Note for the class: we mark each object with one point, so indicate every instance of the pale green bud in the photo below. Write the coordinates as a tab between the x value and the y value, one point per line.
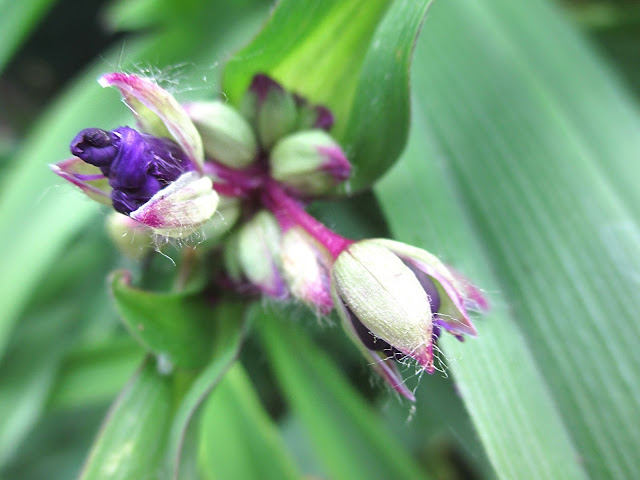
226	216
270	109
253	253
309	162
372	286
227	136
179	209
306	265
132	238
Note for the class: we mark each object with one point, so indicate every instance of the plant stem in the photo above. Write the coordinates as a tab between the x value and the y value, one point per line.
281	204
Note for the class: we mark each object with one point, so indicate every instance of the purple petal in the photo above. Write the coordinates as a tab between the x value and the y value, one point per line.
461	324
324	119
262	84
388	370
86	177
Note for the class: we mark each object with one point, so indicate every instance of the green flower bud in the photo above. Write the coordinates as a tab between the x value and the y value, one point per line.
374	288
179	209
306	265
227	136
226	216
253	254
270	109
132	238
309	162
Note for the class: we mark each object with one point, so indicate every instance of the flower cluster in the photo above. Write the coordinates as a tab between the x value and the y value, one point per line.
203	166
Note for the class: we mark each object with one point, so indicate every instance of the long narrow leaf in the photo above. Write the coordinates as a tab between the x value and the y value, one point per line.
237	438
347	435
527	135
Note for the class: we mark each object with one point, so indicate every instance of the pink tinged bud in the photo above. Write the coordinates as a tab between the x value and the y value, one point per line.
253	254
386	298
158	112
309	162
306	266
132	238
87	177
455	293
179	209
379	359
313	116
270	109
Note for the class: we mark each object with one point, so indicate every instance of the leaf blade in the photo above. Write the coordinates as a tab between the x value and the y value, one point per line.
346	434
237	438
542	186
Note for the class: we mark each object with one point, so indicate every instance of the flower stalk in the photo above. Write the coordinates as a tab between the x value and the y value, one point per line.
283	205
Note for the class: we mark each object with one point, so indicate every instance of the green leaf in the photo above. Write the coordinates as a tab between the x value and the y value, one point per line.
350	55
145	430
132	441
231	324
16	22
28	373
176	326
348	437
94	373
237	437
521	170
379	118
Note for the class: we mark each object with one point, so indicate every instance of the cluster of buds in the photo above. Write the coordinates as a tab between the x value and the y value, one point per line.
201	167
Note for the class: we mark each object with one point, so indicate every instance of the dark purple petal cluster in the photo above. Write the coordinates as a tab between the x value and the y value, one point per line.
137	165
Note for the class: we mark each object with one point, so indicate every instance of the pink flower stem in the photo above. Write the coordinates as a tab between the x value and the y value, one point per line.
233	182
282	205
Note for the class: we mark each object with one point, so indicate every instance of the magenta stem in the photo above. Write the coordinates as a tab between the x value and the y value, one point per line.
282	205
233	182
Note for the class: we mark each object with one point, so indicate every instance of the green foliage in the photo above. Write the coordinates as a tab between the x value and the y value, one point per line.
151	318
16	22
237	437
358	68
552	222
345	433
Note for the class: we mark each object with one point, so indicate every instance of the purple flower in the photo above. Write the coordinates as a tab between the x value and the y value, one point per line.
137	165
156	177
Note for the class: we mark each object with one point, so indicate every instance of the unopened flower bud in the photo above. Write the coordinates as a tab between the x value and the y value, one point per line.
223	220
227	136
132	238
309	162
306	266
374	287
394	298
253	253
453	291
177	210
270	109
313	116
